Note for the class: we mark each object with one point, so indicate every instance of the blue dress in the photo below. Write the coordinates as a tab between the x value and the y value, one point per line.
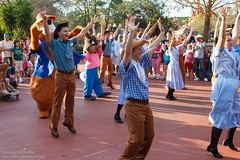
174	78
224	96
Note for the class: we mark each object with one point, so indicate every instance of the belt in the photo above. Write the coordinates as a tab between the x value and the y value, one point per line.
144	101
66	72
106	56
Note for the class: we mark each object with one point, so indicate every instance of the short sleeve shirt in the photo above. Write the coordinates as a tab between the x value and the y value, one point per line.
134	87
63	53
199	50
6	45
17	54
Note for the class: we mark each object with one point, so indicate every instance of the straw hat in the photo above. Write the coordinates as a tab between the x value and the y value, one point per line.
136	43
39	17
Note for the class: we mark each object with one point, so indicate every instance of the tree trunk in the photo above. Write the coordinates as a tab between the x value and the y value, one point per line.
206	30
208	15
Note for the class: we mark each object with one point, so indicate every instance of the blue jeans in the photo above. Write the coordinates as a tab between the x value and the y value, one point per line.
199	67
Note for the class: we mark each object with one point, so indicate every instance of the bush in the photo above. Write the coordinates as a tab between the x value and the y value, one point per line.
78	48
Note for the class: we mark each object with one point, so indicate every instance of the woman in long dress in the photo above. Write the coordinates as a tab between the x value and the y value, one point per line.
174	78
225	113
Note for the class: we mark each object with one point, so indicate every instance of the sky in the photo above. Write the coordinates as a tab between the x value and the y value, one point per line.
185	12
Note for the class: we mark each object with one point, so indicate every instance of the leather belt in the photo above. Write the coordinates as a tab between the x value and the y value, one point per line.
143	101
106	56
66	72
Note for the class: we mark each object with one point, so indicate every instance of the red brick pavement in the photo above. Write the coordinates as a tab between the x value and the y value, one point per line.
181	127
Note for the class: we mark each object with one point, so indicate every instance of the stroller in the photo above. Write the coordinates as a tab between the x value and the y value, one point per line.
11	77
6	90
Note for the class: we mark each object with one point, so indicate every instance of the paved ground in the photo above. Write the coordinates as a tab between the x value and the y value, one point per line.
182	129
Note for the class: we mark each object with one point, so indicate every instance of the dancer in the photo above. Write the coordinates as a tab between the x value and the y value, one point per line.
92	81
174	78
135	85
225	113
65	85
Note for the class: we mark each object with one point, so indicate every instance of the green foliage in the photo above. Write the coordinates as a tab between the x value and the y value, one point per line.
113	11
78	48
198	21
15	18
8	21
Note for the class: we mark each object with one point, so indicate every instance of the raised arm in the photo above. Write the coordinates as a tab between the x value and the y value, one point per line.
188	38
145	31
125	32
216	32
43	13
116	31
102	29
157	41
94	33
236	29
109	27
81	35
222	33
152	29
128	48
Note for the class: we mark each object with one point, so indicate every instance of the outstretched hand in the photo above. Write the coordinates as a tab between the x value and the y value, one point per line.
95	19
130	23
224	11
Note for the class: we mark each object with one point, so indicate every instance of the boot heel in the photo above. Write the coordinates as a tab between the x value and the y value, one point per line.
214	152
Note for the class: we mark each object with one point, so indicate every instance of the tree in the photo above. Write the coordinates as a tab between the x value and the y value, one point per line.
112	11
208	7
16	17
197	22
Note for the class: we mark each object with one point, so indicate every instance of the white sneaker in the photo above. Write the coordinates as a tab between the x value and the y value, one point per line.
158	76
205	79
154	77
196	79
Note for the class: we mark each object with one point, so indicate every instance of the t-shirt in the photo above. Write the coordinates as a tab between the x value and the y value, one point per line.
93	60
6	45
199	50
189	56
17	54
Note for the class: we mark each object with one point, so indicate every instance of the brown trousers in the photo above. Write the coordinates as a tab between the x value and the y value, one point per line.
106	63
141	129
65	87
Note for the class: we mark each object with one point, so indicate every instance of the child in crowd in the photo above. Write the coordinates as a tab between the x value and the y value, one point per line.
156	60
166	61
31	64
189	61
25	67
92	81
17	52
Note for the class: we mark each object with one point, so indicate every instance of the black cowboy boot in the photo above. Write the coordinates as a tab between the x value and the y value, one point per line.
117	114
215	135
229	140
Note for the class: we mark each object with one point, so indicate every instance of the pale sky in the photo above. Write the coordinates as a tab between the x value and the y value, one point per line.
185	12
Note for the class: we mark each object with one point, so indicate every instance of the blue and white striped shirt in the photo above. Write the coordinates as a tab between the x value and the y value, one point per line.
133	86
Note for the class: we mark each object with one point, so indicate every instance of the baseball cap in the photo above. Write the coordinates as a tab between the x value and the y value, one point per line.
6	34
